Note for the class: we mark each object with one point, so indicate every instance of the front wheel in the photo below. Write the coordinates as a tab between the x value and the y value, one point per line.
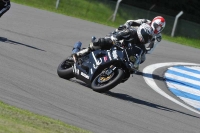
104	82
65	70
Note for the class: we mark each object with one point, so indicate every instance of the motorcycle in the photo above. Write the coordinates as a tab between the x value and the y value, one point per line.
102	70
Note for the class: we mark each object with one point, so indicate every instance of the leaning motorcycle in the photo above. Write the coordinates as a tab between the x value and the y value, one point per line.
102	70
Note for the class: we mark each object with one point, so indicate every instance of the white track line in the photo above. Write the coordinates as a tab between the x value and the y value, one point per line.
148	71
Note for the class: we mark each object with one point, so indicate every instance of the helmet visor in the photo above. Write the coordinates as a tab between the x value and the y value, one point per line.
157	28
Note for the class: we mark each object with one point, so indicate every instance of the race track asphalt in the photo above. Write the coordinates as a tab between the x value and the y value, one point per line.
32	44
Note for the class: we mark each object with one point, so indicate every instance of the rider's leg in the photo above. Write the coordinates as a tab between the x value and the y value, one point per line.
139	60
143	58
85	51
140	57
101	43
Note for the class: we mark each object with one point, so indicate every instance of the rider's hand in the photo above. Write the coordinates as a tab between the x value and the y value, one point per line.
159	38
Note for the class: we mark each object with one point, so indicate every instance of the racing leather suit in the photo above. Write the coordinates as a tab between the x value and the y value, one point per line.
138	32
133	35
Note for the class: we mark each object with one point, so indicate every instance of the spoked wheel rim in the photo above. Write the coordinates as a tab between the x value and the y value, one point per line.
103	78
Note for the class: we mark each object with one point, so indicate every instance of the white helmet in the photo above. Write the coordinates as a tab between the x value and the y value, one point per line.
158	24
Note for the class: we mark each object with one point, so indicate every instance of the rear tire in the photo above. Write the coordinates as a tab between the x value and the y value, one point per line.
111	83
65	70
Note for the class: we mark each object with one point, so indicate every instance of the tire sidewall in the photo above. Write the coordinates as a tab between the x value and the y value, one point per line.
65	73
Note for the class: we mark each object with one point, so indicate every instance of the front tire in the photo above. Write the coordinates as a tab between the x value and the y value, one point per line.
65	70
110	83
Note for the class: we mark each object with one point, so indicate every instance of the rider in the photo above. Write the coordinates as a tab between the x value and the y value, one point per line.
156	37
139	32
4	6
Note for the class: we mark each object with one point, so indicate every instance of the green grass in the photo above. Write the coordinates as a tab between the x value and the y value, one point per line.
184	41
14	120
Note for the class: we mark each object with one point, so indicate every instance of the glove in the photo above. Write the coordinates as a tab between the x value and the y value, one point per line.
159	38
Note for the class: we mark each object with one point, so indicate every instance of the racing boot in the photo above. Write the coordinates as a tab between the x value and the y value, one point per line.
137	62
92	46
81	53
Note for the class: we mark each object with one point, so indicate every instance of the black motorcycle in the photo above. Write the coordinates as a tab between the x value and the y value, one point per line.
102	70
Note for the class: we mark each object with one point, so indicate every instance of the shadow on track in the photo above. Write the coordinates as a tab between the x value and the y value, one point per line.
129	98
80	83
2	39
157	77
138	101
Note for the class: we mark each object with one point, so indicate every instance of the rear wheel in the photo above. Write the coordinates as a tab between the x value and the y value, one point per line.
107	80
65	70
